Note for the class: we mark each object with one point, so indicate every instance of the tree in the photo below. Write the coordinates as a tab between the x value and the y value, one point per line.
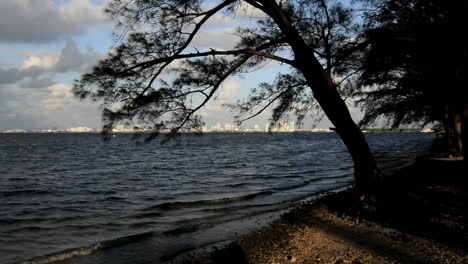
415	70
316	40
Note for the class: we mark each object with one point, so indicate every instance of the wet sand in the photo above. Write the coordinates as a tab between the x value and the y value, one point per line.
421	217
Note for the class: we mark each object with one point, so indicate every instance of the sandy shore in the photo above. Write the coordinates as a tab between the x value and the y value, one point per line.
422	217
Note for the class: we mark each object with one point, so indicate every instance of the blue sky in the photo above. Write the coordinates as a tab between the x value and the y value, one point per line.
46	44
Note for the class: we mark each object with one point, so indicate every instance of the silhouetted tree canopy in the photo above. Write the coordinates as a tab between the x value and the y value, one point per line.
157	76
413	72
131	82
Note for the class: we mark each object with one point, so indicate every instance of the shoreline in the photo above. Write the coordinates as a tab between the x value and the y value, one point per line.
423	219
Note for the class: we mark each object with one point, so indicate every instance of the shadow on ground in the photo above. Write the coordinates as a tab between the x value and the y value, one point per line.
421	217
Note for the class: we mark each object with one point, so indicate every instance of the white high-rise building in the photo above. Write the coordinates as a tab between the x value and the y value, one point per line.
292	126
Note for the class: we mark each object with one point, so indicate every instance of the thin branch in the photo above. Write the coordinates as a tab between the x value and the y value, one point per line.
215	88
263	108
347	77
356	47
170	59
270	102
207	16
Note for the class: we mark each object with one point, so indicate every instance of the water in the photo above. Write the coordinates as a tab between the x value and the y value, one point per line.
66	195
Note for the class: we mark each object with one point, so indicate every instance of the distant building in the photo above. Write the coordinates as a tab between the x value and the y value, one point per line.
79	129
292	126
321	130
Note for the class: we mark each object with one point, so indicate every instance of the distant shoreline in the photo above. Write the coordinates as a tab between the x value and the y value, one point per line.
375	130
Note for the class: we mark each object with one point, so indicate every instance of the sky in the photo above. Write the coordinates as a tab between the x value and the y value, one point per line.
46	44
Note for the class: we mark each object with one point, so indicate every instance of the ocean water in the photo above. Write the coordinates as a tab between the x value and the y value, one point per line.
73	198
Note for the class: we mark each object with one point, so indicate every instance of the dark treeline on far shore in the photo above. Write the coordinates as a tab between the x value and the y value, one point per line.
382	130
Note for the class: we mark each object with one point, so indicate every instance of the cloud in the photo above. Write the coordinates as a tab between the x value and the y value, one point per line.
58	96
37	83
31	98
40	63
44	60
215	111
222	38
71	59
13	75
45	108
42	21
231	89
245	10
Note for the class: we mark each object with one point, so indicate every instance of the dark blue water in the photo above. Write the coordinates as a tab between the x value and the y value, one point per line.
66	195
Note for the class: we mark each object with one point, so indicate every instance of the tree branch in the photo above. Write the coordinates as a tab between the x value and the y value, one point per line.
170	59
207	16
264	107
215	88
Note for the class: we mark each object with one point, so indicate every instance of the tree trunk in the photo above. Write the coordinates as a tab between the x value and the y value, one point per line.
465	134
365	168
446	122
326	93
457	129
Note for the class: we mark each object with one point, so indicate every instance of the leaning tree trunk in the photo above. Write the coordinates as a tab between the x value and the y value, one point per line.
326	94
448	128
465	134
325	91
457	129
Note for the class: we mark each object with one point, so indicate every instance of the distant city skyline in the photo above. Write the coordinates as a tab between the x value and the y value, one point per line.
280	126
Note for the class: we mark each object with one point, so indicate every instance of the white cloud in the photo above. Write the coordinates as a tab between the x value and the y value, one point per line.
31	98
245	10
231	89
214	111
45	61
59	95
69	59
40	21
37	83
45	108
222	38
13	75
218	19
39	66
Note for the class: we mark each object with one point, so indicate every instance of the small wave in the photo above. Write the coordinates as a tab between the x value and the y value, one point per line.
18	179
182	204
113	198
181	230
236	208
145	215
87	250
187	204
295	186
237	185
23	192
29	229
64	255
